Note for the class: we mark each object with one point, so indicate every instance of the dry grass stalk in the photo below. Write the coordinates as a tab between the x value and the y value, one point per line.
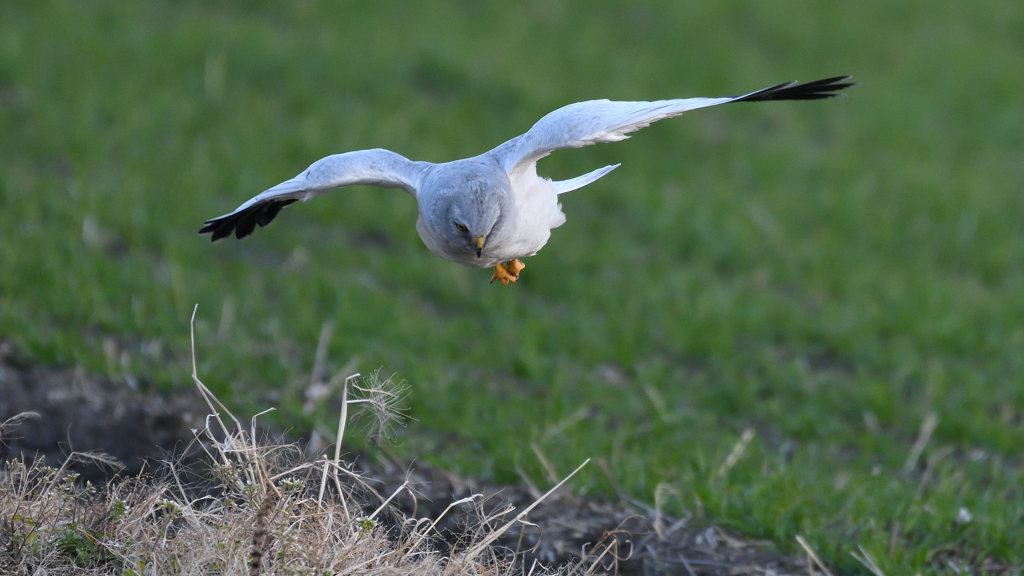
868	562
812	556
257	507
13	422
736	452
548	468
661	492
479	547
928	425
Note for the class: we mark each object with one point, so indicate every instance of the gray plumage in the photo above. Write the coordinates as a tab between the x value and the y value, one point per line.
491	208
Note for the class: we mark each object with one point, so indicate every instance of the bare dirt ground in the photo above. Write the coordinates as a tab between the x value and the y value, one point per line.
82	412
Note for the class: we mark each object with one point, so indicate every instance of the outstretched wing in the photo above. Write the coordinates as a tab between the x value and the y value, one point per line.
595	121
376	167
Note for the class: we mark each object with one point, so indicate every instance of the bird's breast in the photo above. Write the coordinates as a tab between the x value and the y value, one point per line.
525	227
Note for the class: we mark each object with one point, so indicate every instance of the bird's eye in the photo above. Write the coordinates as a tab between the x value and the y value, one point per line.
460	227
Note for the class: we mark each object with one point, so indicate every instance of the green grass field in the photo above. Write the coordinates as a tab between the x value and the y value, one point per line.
826	274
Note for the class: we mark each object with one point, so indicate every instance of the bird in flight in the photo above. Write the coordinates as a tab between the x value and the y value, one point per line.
491	210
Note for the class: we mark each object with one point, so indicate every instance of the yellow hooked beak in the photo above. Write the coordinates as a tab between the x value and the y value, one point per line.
479	246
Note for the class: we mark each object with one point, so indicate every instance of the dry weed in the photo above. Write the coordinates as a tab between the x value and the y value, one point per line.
254	506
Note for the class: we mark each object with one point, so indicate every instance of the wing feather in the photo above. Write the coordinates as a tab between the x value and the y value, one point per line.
376	167
595	121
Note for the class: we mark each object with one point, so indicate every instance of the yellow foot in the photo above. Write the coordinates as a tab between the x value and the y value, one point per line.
515	267
507	274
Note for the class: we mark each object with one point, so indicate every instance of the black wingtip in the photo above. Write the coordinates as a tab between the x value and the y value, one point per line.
243	222
816	90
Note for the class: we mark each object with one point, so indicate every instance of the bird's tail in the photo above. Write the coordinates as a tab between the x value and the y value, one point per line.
564	186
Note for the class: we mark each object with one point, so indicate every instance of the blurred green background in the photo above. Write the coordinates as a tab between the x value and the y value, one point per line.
825	274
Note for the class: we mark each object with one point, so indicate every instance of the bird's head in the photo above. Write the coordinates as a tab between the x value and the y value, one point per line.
471	208
473	216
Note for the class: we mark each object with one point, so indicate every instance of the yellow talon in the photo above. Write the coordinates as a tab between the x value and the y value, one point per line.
501	275
515	267
509	274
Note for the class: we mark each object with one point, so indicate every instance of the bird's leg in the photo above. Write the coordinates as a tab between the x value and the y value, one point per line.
506	273
501	275
514	267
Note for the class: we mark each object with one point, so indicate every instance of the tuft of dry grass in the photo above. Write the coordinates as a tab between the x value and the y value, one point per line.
257	512
254	506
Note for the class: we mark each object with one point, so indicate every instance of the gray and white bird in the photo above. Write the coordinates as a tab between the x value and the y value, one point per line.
493	209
